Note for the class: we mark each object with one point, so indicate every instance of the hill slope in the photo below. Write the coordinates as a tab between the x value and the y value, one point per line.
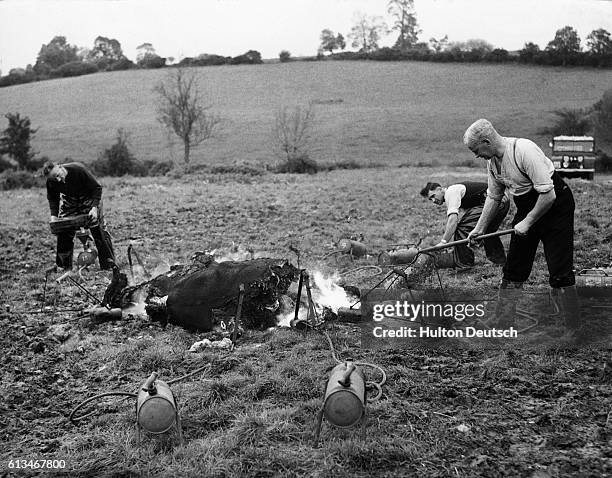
389	113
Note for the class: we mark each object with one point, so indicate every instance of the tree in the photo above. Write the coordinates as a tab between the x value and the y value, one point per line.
292	136
55	54
340	43
599	42
529	53
106	49
251	57
366	32
147	57
15	140
331	42
565	44
405	23
118	160
439	45
602	119
574	122
146	49
478	44
182	111
284	56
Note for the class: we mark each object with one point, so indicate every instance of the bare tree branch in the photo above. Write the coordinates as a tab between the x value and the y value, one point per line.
180	108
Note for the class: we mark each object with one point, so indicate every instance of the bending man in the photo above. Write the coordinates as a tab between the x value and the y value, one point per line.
72	190
464	203
545	213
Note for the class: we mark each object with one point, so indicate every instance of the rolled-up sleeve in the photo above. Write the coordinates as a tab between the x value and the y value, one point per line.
452	198
535	164
495	189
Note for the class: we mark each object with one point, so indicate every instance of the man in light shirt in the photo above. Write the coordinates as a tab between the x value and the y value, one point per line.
545	213
464	202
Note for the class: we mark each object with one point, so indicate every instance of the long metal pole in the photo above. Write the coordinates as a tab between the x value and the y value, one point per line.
465	241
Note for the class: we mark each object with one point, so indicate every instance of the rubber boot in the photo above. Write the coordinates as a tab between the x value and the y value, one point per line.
569	307
507	298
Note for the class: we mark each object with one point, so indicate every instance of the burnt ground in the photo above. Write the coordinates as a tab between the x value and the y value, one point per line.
444	412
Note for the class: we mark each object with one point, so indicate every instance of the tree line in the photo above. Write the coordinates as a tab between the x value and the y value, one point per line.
60	59
563	50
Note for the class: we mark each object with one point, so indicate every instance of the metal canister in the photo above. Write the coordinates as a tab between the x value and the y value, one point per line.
355	248
102	314
400	256
156	407
344	404
599	277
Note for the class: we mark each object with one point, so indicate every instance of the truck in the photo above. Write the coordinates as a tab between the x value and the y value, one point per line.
574	156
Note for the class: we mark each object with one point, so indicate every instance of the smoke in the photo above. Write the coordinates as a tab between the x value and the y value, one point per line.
235	253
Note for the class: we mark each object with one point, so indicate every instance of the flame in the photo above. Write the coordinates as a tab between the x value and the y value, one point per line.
137	308
326	293
330	294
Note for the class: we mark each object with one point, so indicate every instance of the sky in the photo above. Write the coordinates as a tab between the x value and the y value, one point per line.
181	28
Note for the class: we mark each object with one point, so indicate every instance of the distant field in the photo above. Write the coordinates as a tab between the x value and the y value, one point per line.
372	112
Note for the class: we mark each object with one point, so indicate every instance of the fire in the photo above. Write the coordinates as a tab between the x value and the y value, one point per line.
137	308
330	294
326	293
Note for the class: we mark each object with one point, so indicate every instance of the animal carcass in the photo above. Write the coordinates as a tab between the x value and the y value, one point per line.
194	295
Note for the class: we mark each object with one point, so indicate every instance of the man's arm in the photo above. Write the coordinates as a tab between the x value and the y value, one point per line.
451	227
539	169
495	193
541	207
53	196
488	213
452	197
90	184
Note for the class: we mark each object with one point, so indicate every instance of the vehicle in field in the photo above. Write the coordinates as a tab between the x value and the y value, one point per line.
574	156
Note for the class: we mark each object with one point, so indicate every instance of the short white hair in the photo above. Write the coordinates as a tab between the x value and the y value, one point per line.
478	131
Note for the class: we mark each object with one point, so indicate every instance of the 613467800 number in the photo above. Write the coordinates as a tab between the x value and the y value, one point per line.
37	464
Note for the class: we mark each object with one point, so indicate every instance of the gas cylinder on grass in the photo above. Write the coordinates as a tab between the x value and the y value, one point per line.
354	248
345	395
156	410
400	256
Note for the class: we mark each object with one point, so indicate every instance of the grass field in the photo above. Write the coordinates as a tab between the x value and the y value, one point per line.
443	412
371	112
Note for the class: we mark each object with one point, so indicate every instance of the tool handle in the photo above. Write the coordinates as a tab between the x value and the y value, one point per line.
465	241
345	381
63	276
148	385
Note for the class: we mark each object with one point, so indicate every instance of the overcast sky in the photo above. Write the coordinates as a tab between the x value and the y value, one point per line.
180	28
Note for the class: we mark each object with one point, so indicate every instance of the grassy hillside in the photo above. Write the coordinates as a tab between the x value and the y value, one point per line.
372	112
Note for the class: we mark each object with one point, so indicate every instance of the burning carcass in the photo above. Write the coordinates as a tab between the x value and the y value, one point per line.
196	295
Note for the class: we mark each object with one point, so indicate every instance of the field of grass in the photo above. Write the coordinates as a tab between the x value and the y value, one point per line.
442	413
370	112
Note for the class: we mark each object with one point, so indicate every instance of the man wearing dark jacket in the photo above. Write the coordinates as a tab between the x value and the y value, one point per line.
464	202
72	190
